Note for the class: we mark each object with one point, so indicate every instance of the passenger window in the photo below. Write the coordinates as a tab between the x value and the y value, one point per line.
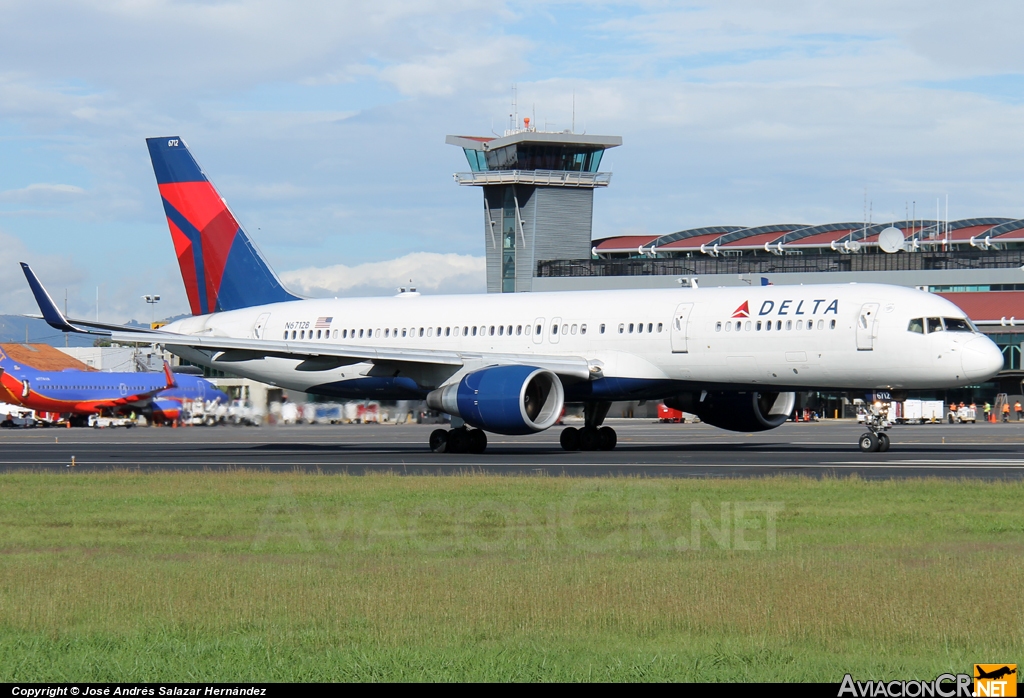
387	332
447	331
934	324
421	332
335	334
491	331
758	326
430	331
438	331
821	324
519	329
377	333
583	329
501	330
799	324
286	334
405	332
789	324
832	325
510	330
554	329
640	327
746	326
718	327
650	327
465	331
565	329
768	326
631	328
916	325
474	330
539	329
527	328
302	334
360	334
728	327
621	328
955	324
318	335
778	324
455	332
602	328
661	326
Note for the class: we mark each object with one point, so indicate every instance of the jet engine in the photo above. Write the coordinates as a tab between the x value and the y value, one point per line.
746	411
509	400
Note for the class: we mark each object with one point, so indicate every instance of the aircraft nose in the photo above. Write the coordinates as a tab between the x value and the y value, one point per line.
981	359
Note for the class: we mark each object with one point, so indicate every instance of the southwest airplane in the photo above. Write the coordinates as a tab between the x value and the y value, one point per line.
508	363
159	396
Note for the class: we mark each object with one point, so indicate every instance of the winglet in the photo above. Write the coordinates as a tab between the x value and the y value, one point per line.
169	375
54	318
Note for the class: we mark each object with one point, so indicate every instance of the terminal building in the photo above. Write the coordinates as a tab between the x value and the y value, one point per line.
538	215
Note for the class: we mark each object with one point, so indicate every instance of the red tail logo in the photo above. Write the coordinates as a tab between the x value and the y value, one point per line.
742	311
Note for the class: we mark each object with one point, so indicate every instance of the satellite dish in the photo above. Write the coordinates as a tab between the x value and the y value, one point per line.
891	240
852	246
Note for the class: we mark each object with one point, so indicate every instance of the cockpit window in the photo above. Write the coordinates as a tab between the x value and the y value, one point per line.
916	325
955	324
934	324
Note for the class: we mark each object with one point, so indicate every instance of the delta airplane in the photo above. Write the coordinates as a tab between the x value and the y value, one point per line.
507	363
159	396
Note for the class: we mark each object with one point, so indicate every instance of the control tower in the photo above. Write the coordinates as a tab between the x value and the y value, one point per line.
538	198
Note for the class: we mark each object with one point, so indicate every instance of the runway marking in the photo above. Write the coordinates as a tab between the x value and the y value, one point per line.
192	465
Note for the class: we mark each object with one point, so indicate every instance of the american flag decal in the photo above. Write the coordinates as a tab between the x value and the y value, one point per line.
323	323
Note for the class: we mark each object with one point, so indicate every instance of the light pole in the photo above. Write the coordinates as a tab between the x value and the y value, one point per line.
152	300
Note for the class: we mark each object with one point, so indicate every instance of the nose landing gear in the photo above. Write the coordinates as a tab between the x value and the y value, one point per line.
593	436
875	439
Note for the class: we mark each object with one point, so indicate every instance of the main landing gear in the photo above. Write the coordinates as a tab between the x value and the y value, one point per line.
593	436
458	440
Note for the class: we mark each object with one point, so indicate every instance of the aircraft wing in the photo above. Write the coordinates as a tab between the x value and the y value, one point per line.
321	356
317	356
139	399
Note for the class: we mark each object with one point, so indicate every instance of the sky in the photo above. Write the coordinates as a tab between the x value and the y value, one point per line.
323	126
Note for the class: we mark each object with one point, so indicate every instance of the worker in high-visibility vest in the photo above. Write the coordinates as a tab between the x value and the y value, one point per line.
1018	409
1006	412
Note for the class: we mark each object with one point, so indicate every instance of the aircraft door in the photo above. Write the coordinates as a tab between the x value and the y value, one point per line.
555	329
679	323
25	388
261	322
867	326
538	330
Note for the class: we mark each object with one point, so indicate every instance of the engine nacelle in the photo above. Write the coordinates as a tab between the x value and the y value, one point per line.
509	400
747	411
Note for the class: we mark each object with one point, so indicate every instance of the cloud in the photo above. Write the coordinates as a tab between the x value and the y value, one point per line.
428	271
487	66
41	191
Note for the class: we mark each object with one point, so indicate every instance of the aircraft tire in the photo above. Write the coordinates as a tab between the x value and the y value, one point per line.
439	441
589	439
868	442
458	441
606	438
883	442
477	441
570	439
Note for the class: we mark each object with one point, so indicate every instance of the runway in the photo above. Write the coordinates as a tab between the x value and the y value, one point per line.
987	451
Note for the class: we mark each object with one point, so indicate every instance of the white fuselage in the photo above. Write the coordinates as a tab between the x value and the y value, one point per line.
821	336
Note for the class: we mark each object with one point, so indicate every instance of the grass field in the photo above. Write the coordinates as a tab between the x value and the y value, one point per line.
257	576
